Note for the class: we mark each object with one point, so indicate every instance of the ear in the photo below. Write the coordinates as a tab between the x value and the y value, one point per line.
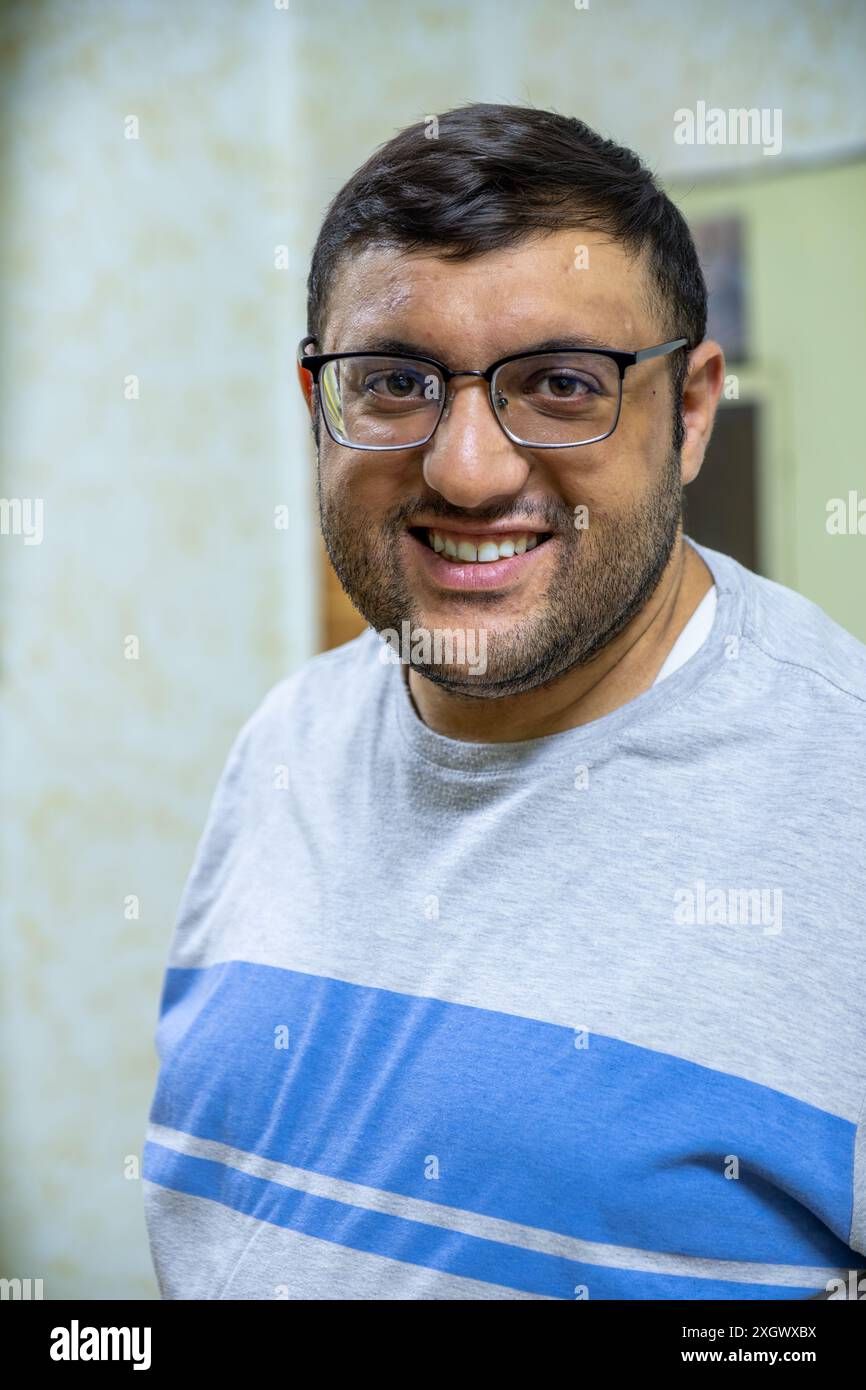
701	392
306	382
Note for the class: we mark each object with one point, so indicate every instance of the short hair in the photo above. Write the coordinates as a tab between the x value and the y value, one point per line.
493	175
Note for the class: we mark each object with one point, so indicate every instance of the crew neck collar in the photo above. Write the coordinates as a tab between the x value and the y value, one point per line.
504	758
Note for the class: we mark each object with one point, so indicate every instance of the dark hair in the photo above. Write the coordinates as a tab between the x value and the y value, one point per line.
494	175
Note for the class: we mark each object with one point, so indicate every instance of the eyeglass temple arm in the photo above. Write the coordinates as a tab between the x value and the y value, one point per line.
660	351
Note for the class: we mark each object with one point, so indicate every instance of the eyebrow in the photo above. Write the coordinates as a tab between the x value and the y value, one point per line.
564	342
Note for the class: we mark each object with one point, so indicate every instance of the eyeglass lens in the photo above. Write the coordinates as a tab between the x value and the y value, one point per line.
559	398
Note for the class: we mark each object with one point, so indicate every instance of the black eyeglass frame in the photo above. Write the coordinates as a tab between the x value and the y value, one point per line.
314	362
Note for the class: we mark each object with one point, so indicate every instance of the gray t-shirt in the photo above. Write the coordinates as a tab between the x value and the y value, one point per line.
581	1016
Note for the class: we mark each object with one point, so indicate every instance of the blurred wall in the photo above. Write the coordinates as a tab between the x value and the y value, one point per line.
147	396
807	310
148	399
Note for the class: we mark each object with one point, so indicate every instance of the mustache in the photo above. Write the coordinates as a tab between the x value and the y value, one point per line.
550	515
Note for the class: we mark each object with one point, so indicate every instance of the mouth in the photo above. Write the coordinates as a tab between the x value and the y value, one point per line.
484	549
482	560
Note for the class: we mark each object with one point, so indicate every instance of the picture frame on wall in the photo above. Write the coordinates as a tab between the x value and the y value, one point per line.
720	245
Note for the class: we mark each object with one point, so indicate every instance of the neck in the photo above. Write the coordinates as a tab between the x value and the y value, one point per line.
623	669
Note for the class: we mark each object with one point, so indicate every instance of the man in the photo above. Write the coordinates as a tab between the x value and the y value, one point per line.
522	955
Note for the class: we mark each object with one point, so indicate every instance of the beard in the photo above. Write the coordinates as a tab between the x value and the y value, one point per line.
607	573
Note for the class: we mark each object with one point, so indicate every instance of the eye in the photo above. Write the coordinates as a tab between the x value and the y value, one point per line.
561	385
398	383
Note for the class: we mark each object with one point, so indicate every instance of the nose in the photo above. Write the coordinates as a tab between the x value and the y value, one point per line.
470	460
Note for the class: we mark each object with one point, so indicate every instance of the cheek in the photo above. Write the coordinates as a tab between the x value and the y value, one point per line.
343	470
614	482
603	481
642	440
647	417
360	484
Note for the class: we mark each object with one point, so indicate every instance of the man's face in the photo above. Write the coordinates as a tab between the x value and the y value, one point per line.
558	603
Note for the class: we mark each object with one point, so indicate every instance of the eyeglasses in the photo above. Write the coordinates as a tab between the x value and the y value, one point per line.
543	400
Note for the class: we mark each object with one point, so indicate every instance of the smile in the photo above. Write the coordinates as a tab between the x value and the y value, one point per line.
480	561
481	550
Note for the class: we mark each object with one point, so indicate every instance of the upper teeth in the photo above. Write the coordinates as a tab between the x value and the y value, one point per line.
482	551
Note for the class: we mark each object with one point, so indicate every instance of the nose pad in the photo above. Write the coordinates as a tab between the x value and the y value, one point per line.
501	400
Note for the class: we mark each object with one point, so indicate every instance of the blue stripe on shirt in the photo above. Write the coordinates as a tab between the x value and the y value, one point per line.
614	1143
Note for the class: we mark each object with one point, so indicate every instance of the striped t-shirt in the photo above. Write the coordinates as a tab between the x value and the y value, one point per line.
577	1017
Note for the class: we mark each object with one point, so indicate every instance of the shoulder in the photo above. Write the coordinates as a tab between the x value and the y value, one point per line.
325	692
796	636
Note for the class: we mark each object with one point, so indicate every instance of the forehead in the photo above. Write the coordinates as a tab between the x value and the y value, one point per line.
567	282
